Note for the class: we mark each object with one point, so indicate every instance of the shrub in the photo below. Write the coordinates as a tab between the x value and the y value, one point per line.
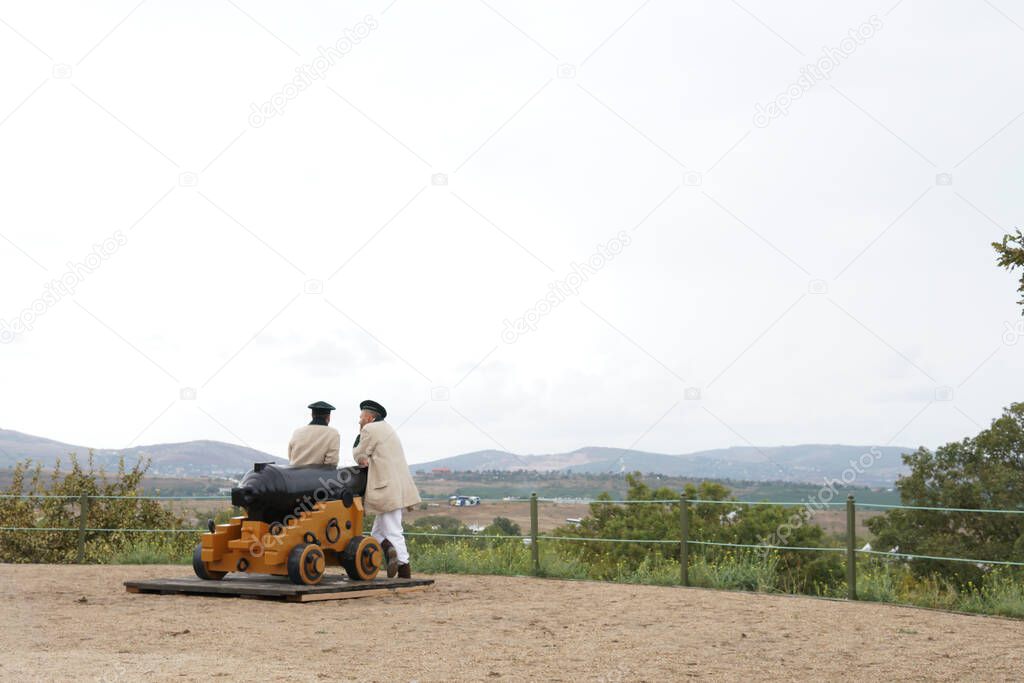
120	509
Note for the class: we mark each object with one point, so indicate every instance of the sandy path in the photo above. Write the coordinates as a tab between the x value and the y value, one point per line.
479	628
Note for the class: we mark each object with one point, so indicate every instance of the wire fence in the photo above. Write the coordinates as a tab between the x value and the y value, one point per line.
534	536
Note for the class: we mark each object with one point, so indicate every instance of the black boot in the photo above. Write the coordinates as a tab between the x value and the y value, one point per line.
404	571
390	558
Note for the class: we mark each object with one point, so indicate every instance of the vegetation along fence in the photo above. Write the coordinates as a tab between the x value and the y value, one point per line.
534	538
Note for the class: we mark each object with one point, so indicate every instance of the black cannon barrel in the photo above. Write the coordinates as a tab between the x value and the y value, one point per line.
273	493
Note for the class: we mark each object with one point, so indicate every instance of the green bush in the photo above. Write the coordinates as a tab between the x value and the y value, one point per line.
437	524
63	510
502	526
721	521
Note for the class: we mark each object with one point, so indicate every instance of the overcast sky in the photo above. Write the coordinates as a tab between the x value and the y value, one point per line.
525	226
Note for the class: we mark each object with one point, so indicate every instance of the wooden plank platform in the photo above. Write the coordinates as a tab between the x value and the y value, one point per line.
332	587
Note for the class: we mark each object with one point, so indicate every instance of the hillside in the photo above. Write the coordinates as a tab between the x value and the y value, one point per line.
801	463
190	458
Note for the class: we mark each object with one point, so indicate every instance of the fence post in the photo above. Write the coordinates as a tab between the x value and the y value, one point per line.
851	548
534	550
83	524
684	538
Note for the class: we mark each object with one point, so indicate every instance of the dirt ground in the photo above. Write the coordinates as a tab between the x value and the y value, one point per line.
71	622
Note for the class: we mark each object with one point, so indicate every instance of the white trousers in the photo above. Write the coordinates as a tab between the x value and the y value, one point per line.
389	525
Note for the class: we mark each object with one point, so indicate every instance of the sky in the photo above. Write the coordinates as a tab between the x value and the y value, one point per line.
527	226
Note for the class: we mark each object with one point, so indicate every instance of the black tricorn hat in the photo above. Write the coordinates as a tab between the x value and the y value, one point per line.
374	406
321	407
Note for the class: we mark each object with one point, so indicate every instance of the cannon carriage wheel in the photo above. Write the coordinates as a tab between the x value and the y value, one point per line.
306	564
199	567
362	558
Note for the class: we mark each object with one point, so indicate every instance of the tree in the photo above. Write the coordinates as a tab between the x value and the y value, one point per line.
442	524
1011	256
502	526
723	521
981	472
438	524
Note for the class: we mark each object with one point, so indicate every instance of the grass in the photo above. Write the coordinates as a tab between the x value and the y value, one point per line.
1000	594
732	571
152	551
749	571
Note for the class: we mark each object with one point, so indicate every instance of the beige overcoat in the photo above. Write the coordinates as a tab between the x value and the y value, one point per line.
389	483
314	445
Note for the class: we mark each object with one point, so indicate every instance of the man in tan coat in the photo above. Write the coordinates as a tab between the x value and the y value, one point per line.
315	443
389	485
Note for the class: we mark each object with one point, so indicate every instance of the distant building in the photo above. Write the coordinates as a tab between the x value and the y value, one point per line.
441	470
463	501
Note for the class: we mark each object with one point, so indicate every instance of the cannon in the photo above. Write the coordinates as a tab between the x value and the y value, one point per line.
297	522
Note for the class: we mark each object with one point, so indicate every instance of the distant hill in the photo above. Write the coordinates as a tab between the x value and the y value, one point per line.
191	458
802	463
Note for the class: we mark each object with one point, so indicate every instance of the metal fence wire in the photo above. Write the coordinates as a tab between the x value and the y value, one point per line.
683	541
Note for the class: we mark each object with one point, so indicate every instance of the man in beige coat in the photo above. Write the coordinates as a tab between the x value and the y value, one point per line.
315	443
389	486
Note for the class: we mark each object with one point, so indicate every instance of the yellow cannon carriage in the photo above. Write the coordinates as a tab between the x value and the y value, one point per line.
298	522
